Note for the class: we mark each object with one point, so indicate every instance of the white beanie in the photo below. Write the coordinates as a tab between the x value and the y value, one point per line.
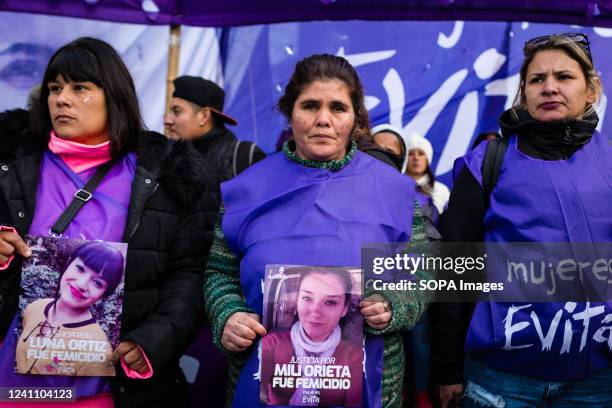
416	141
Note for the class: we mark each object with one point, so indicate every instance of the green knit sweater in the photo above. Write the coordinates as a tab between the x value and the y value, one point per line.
223	297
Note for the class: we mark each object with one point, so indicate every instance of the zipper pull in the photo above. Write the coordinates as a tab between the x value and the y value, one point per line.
568	139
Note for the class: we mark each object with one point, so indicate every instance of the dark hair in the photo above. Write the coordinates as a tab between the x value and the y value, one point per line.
285	135
326	67
401	141
92	60
102	258
573	50
432	177
484	136
340	273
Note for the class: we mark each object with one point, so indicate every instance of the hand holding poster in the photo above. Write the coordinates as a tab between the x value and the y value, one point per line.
70	307
313	352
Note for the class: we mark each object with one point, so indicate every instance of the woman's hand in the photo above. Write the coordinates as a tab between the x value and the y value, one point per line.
376	311
132	355
11	244
240	331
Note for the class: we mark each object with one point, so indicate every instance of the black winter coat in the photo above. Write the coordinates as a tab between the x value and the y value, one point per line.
167	246
217	149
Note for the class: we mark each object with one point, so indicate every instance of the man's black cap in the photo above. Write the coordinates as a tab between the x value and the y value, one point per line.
203	93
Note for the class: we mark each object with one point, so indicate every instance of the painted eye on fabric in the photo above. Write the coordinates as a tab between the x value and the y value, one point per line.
24	64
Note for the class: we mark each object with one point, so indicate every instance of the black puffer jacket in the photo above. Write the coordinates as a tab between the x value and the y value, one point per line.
217	148
167	246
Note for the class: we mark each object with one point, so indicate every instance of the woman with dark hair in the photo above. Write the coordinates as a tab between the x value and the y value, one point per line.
322	301
87	124
90	60
392	141
432	194
319	201
554	186
93	272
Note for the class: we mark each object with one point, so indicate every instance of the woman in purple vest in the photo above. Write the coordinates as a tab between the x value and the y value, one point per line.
555	185
86	116
314	203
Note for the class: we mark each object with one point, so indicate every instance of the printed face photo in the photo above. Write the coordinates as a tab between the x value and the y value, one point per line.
81	286
312	353
70	307
321	304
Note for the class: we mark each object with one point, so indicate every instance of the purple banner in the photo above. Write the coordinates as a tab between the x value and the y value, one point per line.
226	13
444	80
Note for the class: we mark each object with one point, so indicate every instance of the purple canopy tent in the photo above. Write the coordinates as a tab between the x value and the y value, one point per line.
226	13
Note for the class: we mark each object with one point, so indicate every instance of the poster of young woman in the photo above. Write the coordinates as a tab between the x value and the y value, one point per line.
71	302
313	352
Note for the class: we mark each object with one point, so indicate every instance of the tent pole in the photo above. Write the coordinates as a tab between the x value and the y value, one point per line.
174	48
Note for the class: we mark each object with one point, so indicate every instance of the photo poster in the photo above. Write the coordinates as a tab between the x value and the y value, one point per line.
70	307
312	354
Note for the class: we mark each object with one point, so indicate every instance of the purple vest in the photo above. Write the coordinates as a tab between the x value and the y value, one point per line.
280	212
426	201
103	217
546	201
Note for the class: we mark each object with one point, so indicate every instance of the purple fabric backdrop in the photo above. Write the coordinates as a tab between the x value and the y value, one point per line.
224	13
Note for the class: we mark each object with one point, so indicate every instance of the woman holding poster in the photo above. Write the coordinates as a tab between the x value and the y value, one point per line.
86	124
315	340
94	271
314	203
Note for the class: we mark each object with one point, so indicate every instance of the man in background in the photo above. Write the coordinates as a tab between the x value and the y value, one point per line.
196	114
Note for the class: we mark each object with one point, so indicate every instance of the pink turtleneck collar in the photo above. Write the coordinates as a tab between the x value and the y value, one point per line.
79	157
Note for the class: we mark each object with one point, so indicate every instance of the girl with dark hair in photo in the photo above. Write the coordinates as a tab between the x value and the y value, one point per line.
93	272
323	299
86	119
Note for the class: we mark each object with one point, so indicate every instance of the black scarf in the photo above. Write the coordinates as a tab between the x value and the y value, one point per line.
555	140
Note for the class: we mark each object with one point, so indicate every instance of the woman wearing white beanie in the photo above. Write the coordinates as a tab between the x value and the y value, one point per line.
420	155
432	197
